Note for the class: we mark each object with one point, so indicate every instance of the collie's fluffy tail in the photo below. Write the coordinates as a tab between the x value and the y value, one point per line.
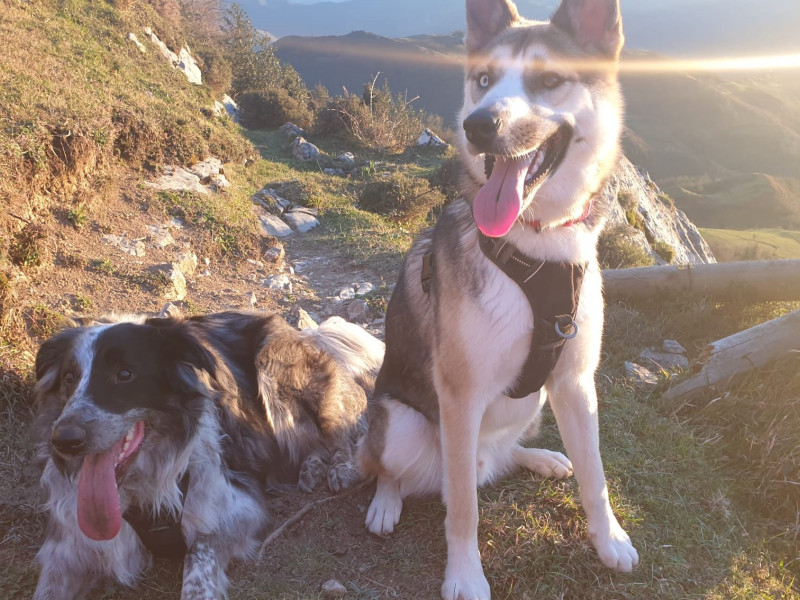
360	353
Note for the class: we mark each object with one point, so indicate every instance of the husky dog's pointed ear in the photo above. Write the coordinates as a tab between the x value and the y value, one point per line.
595	24
487	18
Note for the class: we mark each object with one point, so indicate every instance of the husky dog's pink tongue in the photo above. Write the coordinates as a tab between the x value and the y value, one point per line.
497	204
99	510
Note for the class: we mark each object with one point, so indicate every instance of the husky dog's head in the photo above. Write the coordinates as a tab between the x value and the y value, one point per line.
542	111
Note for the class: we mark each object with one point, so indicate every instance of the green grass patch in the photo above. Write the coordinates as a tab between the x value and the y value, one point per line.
752	244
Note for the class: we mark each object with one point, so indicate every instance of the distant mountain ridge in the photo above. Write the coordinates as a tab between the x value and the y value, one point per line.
683	128
678	28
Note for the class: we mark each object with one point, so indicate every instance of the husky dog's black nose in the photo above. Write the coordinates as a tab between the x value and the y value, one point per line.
69	439
481	128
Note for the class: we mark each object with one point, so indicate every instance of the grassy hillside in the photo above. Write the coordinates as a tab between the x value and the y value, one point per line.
752	244
743	202
706	489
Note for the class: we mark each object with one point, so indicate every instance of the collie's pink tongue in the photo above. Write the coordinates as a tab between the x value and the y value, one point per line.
99	512
498	203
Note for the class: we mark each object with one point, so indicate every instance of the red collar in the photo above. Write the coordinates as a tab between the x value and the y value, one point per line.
537	225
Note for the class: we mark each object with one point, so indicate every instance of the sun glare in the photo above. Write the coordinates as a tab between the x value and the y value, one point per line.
739	63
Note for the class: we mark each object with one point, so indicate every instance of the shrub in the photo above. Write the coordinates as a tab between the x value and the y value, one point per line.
377	119
616	250
446	177
664	250
273	108
402	198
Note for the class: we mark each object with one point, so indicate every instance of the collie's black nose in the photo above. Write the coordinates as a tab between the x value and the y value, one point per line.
482	127
69	439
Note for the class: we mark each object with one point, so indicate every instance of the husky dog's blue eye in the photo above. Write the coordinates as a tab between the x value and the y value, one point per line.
483	80
124	375
551	80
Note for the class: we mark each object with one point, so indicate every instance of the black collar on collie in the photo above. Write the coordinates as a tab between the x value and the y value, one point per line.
552	289
162	535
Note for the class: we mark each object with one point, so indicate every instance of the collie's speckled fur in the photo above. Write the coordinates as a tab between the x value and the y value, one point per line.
133	410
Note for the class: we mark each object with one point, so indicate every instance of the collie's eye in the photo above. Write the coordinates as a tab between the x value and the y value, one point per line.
124	375
68	377
483	80
552	80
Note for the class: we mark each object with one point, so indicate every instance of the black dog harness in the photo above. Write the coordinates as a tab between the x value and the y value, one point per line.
161	535
552	289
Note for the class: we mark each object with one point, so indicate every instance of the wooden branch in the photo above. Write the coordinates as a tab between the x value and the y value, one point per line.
753	281
278	531
749	349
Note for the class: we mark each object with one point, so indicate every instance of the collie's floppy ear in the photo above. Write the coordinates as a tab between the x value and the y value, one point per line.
595	24
487	18
53	350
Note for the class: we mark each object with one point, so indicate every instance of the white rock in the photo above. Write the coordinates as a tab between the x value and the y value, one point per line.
178	179
160	236
189	66
177	290
132	37
663	360
291	130
673	347
428	138
278	282
304	150
333	589
186	261
273	225
347	158
231	108
301	220
207	168
134	247
363	288
305	320
250	299
640	375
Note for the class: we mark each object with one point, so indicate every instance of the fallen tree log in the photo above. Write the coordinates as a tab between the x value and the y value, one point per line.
739	353
752	281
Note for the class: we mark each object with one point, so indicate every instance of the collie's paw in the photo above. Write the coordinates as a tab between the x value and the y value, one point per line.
384	510
615	549
312	473
342	476
471	585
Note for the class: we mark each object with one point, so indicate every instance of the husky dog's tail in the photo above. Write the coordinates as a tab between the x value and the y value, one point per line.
360	353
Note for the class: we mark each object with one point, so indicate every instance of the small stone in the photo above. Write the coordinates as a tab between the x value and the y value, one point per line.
304	150
256	263
362	288
347	158
170	311
343	294
357	311
274	254
305	320
186	262
673	347
278	282
160	236
640	375
291	130
664	360
250	299
333	589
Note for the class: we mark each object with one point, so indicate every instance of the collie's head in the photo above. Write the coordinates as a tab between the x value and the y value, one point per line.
112	398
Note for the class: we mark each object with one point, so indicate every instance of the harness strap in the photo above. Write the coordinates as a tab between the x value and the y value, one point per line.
553	290
161	535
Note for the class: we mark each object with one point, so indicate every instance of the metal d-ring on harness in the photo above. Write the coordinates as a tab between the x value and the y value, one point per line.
552	289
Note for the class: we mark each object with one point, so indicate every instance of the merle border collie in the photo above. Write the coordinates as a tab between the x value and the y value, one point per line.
160	436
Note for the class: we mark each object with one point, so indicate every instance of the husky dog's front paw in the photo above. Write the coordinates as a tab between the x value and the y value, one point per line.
614	548
465	584
384	510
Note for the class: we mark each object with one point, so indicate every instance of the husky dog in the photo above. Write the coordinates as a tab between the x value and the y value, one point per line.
499	307
160	436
